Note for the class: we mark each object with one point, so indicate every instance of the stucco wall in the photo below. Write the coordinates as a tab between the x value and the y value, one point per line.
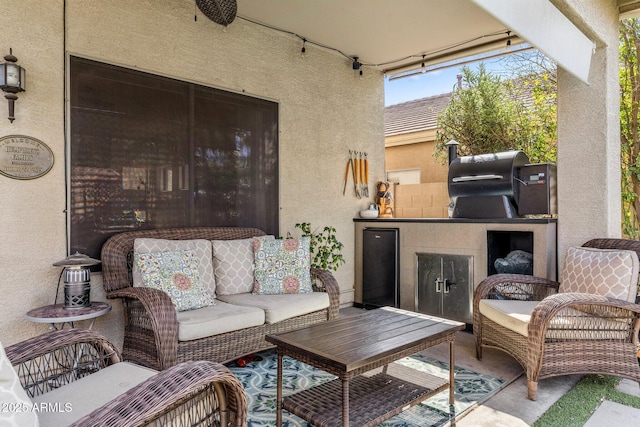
589	132
324	110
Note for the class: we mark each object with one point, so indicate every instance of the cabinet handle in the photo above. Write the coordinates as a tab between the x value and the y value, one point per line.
438	285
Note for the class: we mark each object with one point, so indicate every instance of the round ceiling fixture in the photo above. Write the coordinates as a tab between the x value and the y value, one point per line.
221	12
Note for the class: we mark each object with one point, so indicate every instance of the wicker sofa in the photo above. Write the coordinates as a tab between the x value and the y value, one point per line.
152	327
76	377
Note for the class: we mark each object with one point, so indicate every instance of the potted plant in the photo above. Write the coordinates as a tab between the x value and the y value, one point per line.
325	248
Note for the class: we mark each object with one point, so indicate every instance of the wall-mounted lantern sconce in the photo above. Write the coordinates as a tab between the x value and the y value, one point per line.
12	81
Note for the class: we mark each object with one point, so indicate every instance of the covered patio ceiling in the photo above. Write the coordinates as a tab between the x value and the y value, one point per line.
385	35
393	36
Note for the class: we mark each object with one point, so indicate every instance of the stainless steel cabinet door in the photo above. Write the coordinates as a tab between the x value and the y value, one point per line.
445	286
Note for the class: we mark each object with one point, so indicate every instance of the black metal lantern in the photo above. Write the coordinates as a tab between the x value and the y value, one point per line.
12	80
77	280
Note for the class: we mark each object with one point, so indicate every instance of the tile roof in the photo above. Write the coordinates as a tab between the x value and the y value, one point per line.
414	116
422	114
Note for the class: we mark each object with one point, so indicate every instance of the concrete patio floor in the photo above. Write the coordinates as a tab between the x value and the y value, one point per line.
510	406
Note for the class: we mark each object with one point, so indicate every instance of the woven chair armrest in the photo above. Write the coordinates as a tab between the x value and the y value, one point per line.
162	315
172	389
326	282
547	318
515	286
60	357
49	342
591	304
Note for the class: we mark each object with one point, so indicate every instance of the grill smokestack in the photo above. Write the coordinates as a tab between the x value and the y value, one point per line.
453	150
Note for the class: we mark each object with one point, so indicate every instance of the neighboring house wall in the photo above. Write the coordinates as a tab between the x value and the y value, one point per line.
324	110
410	140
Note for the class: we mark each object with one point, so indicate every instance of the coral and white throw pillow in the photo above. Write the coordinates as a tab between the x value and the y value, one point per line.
175	273
201	247
282	266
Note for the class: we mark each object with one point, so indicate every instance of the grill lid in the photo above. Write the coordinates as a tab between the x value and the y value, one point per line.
486	175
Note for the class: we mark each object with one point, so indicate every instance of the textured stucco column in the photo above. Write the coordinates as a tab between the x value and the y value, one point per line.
589	133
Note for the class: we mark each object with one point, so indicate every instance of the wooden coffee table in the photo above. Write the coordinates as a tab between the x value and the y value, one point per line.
351	347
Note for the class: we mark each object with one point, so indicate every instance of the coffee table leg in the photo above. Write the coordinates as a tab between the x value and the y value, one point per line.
452	401
345	403
279	393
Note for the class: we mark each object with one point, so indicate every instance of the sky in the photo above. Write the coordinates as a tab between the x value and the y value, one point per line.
430	84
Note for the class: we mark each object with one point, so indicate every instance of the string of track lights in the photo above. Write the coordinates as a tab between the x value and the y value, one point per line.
357	65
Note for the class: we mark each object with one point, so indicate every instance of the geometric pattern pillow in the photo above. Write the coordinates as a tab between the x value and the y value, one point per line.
233	266
175	273
282	266
233	263
201	247
606	272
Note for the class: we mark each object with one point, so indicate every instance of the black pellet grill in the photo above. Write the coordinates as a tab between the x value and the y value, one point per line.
501	185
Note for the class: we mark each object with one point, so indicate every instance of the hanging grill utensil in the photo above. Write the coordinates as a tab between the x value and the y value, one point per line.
361	169
346	174
354	169
366	176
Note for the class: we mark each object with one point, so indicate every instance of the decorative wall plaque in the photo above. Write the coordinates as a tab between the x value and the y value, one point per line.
24	157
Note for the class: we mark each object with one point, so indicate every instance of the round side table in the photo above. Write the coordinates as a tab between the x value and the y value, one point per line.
57	316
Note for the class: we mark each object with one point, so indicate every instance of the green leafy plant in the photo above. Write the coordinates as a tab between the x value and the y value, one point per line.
487	114
326	249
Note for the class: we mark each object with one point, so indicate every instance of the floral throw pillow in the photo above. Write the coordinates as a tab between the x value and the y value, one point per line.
175	273
282	266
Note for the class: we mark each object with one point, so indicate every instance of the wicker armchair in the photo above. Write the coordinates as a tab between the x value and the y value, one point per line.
192	393
566	333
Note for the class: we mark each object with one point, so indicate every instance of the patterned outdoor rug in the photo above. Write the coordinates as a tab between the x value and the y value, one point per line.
259	381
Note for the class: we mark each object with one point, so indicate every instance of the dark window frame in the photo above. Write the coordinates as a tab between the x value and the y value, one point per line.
148	151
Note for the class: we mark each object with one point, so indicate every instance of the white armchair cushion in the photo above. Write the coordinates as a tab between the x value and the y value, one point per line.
81	397
607	272
568	324
511	314
18	408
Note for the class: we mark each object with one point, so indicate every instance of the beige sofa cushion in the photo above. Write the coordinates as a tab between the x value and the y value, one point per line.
608	272
217	319
83	396
281	307
18	408
201	247
569	324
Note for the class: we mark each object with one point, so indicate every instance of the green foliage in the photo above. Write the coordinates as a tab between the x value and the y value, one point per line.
326	250
576	406
629	118
488	115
